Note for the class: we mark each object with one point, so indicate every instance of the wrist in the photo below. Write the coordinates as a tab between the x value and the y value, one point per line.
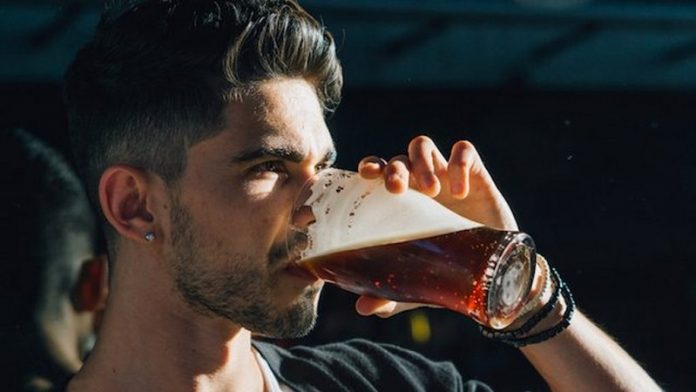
539	299
549	308
554	318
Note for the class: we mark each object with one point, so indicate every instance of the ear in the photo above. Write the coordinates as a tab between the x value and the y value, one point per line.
91	289
123	196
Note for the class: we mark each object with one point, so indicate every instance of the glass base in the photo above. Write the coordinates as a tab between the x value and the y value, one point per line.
512	280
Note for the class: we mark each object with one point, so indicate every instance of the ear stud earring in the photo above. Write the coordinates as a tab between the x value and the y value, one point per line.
150	236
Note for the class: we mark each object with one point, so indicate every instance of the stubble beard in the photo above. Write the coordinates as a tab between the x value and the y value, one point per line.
241	292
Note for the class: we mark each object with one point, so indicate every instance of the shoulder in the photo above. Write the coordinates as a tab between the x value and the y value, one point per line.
360	364
375	359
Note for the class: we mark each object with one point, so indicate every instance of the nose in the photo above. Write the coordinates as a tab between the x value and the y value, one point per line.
302	217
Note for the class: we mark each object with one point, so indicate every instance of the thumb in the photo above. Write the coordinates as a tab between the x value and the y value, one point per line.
367	306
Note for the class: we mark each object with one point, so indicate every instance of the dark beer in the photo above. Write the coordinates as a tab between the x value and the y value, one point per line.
481	272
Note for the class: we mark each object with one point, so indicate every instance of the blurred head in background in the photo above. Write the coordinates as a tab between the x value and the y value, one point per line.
52	283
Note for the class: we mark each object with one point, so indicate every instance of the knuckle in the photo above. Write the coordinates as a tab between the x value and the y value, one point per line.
463	146
393	168
463	152
399	160
420	142
422	139
459	160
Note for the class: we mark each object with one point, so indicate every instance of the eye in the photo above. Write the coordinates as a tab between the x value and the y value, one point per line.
267	167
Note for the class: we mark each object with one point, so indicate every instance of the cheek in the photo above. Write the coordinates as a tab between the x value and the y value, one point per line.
258	191
268	219
253	214
263	221
268	199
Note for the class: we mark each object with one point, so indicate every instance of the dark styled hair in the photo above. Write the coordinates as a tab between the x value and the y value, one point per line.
157	76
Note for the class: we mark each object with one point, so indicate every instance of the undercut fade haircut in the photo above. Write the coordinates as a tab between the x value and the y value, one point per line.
157	76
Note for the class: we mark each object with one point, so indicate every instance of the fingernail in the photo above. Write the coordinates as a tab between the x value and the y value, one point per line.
457	188
384	310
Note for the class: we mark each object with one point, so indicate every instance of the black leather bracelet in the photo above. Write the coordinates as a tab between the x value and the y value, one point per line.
553	331
533	321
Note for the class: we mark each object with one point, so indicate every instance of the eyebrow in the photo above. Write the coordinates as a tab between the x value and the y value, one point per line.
288	153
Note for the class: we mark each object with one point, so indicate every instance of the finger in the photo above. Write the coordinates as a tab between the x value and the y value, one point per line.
367	306
462	158
396	174
440	165
420	154
371	167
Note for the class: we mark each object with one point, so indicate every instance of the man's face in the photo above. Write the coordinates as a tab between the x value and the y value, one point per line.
230	214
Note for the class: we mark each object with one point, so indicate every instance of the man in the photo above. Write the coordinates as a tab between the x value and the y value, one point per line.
52	281
196	124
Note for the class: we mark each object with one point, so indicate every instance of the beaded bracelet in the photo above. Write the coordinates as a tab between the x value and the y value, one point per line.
516	337
556	329
534	320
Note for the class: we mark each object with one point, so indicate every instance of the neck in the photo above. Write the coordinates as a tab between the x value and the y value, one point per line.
151	340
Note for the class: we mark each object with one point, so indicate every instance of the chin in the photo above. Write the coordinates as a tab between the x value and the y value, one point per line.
298	318
296	289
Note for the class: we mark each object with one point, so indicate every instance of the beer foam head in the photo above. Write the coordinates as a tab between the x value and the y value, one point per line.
351	212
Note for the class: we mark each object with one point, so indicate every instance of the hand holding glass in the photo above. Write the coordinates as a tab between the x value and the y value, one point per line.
406	247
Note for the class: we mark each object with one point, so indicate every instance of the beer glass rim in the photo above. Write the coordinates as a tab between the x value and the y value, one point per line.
298	202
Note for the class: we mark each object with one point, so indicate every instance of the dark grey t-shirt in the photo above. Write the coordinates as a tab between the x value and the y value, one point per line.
361	365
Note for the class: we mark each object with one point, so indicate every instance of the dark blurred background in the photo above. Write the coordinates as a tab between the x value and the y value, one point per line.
584	112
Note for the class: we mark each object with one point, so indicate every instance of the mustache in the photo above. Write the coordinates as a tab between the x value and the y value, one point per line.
297	242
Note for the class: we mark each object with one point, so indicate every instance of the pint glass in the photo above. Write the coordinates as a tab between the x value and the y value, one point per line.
406	247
